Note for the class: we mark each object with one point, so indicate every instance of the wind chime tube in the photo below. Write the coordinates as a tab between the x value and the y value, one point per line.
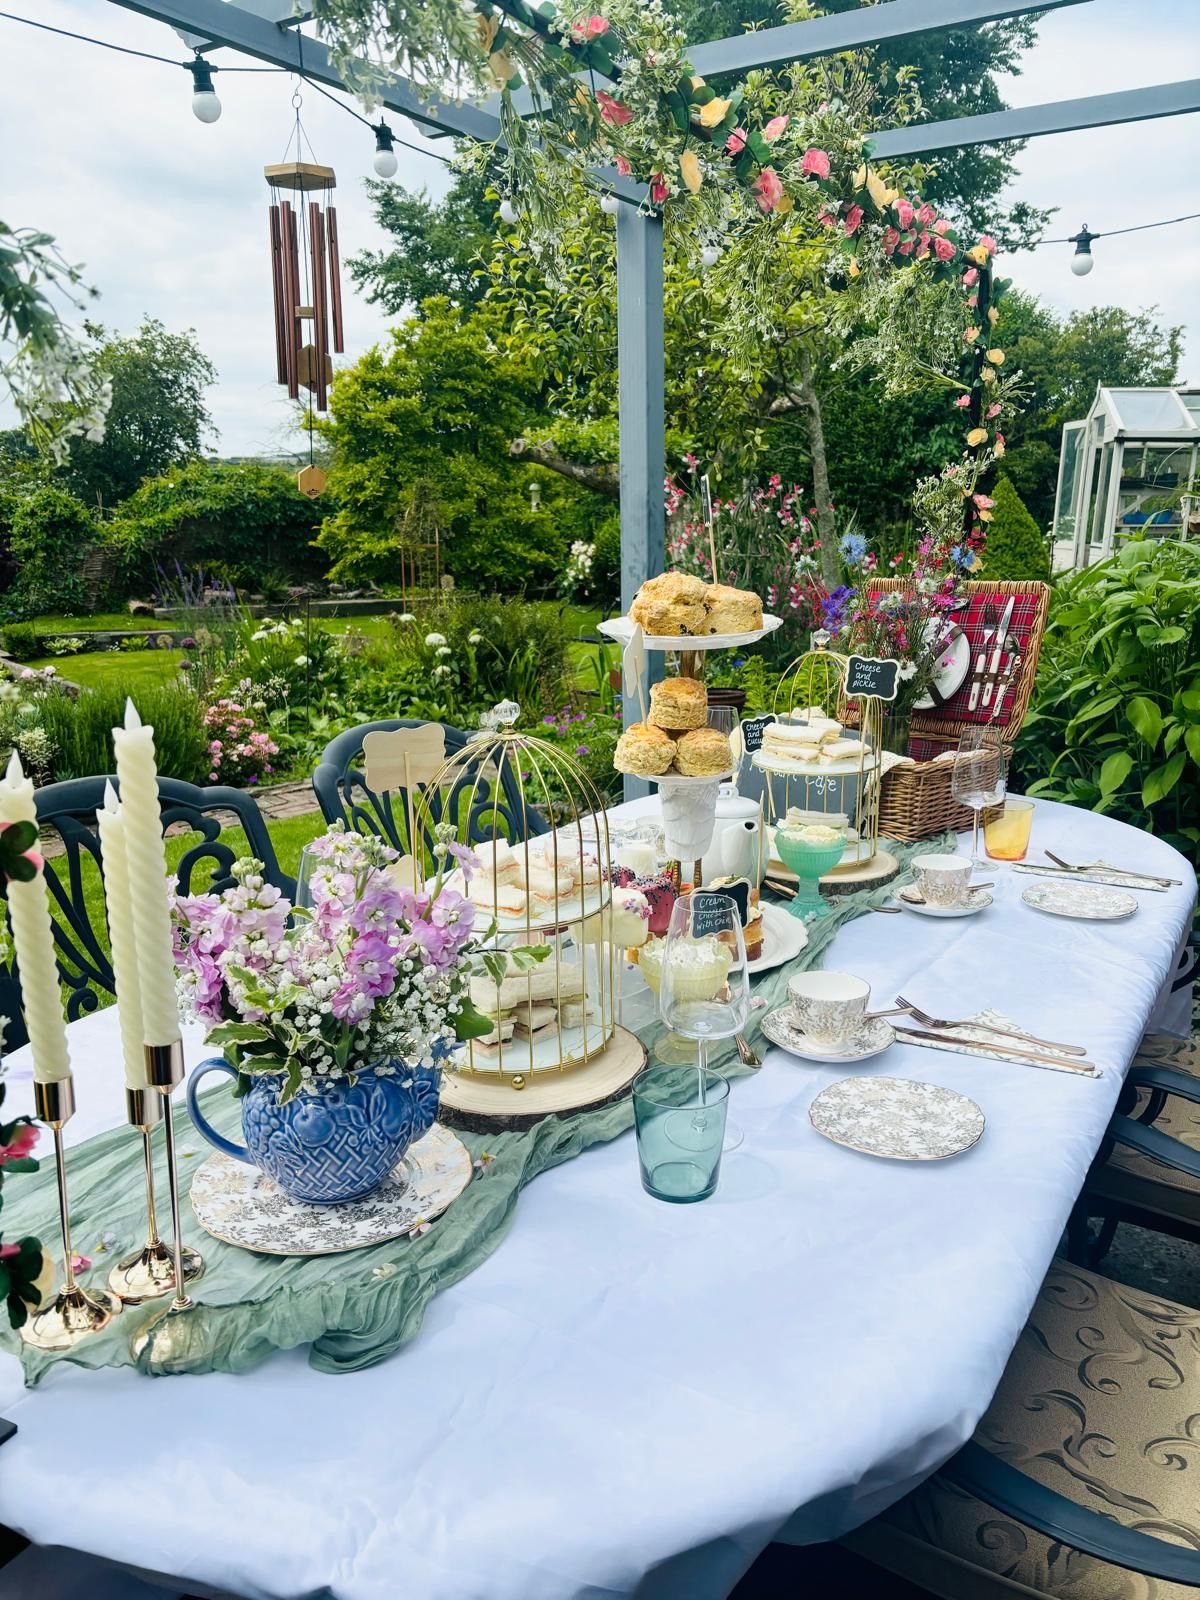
281	362
316	235
335	279
291	297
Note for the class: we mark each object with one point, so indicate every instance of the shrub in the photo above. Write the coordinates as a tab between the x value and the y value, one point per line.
1015	546
239	753
1115	721
64	645
81	730
51	532
22	641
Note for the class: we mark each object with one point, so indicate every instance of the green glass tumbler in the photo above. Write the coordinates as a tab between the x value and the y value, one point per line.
679	1114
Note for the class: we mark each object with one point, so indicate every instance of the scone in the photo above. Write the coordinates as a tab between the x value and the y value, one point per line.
644	752
703	753
731	610
669	618
678	704
674	588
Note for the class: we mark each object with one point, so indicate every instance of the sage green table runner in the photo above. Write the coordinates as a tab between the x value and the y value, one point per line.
351	1309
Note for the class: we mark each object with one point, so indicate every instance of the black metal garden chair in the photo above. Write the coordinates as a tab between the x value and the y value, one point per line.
69	809
345	796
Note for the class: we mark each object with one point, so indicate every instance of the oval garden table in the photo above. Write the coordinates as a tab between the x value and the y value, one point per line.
629	1397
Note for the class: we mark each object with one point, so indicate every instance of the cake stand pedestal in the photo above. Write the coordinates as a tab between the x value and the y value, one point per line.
487	1102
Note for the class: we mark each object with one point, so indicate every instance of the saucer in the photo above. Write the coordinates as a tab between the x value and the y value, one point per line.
1082	901
897	1119
871	1039
977	900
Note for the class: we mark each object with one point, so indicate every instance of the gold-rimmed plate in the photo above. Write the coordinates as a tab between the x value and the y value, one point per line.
897	1119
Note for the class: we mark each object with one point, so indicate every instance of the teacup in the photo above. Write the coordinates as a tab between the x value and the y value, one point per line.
828	1006
943	880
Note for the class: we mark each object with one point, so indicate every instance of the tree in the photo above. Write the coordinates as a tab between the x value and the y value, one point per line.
157	416
1016	546
440	246
50	532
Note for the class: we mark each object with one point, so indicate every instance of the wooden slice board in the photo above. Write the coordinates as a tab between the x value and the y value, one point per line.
881	868
484	1101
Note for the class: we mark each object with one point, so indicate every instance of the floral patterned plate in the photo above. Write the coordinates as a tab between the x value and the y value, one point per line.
241	1205
898	1119
871	1039
1080	900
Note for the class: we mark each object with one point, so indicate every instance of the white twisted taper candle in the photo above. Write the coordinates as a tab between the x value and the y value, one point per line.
146	859
119	906
33	938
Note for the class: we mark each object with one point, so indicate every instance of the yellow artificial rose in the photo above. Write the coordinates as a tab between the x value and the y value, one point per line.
501	67
978	255
582	97
713	113
998	447
860	176
879	191
977	436
689	170
996	357
993	316
697	83
487	28
783	204
970	335
854	269
988	374
986	516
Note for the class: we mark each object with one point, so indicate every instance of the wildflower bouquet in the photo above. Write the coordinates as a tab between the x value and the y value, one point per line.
374	973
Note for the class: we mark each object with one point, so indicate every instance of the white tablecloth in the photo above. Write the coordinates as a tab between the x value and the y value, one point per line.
625	1382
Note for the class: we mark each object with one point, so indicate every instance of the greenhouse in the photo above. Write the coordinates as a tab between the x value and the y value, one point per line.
1127	470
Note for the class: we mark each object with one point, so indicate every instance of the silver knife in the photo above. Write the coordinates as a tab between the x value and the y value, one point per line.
980	665
997	1052
998	647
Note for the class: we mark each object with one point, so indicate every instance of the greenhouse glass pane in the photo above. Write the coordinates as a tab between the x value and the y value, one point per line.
1074	454
1143	410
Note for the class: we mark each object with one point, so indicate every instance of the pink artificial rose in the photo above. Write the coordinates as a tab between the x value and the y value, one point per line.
890	240
774	128
736	142
971	276
23	1143
906	249
923	245
972	301
988	243
993	411
926	214
768	189
963	401
825	220
943	249
814	163
853	217
941	225
983	501
612	110
596	27
905	213
623	167
8	1251
658	188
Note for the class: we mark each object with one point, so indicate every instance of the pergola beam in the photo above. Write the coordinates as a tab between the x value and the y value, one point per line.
240	29
1031	122
852	30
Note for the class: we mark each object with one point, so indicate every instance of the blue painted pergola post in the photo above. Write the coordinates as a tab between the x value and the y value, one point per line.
642	419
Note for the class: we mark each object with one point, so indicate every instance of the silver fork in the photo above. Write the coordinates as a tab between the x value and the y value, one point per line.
1124	872
991	620
926	1021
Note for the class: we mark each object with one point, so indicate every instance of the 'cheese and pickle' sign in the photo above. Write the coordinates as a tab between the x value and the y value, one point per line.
867	678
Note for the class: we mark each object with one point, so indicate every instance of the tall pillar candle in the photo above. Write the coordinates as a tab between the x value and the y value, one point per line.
33	938
146	859
119	906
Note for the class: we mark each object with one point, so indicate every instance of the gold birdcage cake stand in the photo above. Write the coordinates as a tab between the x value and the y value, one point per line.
822	763
547	976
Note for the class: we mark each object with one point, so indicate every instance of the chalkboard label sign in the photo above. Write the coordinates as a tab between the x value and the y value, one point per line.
753	729
709	913
867	678
738	890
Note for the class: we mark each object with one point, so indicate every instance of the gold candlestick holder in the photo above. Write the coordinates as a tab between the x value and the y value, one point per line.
149	1273
76	1312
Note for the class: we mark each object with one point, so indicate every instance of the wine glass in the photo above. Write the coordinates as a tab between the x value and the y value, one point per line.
309	862
704	991
979	776
725	720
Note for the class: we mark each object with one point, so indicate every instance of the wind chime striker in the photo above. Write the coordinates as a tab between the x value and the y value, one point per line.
307	287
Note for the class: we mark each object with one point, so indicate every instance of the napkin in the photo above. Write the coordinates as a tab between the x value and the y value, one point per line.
977	1041
1102	874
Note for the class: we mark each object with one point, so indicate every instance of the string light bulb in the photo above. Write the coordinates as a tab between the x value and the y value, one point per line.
385	162
1081	261
609	204
205	105
508	211
710	255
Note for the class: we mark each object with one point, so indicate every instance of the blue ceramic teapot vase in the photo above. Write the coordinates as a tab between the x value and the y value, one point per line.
335	1145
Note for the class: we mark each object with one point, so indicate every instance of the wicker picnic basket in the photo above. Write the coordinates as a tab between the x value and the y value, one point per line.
916	801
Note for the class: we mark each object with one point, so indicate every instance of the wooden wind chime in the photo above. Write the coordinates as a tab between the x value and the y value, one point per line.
307	284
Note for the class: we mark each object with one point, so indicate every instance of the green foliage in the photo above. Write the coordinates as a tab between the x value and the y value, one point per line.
158	416
49	535
81	729
439	249
1115	722
421	436
21	640
240	521
1016	547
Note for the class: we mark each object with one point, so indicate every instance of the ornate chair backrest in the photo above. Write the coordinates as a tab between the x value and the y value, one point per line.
345	794
74	876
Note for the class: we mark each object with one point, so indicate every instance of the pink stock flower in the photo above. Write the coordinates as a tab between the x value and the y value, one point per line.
768	189
971	276
853	217
904	212
814	163
943	249
774	128
736	142
612	110
890	240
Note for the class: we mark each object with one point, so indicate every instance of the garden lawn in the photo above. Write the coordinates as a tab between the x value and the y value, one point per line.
91	669
289	836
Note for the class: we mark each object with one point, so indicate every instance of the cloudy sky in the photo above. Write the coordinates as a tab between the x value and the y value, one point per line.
169	214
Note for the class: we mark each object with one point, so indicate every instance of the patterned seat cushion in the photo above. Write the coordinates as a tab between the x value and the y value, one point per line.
1134	1179
1100	1401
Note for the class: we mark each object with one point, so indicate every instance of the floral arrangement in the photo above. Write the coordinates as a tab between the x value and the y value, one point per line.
373	973
240	753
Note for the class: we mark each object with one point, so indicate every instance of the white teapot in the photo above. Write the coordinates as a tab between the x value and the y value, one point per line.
735	851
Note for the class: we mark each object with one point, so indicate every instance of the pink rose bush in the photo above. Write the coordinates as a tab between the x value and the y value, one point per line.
238	752
372	973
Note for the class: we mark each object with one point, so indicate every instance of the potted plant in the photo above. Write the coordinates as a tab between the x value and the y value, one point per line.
335	1018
